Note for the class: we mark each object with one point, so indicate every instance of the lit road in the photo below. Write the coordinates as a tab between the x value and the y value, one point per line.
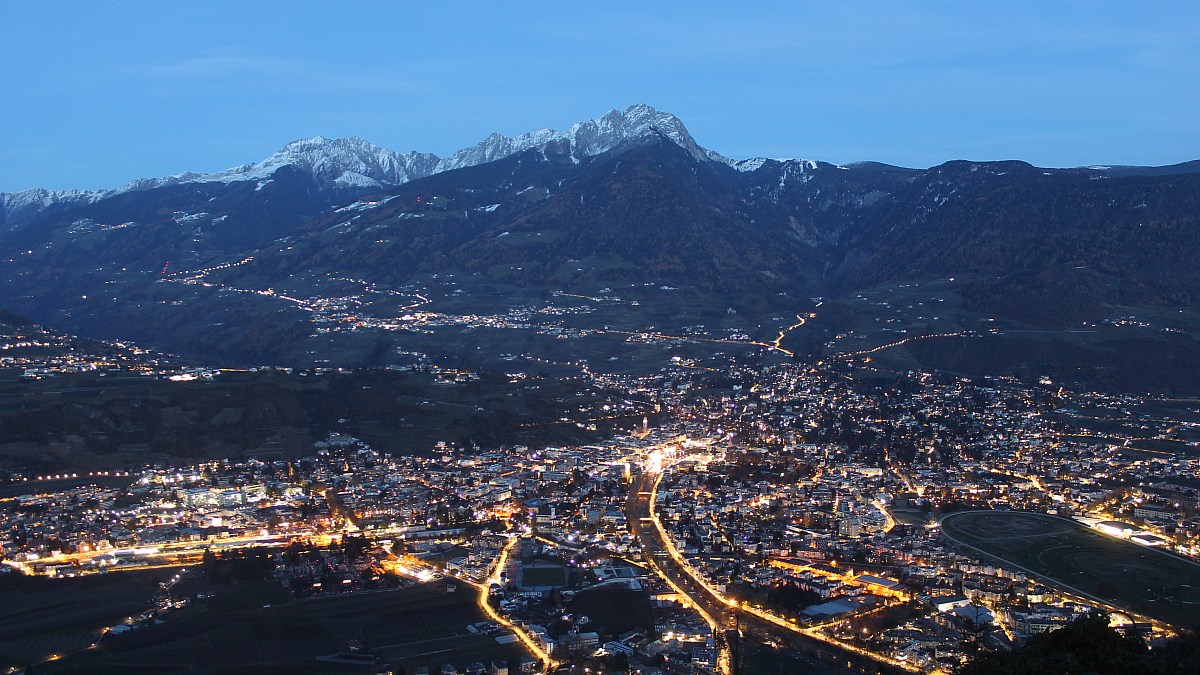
638	514
176	553
485	604
899	343
755	625
656	336
190	550
777	343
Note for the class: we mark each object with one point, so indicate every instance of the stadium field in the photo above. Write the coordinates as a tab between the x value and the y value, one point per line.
1148	581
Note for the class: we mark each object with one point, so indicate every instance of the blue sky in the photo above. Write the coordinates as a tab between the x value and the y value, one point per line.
99	93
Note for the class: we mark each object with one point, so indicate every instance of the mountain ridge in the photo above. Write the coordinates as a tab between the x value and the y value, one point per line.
355	164
248	271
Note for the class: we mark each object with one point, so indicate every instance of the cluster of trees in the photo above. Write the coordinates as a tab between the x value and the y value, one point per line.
237	565
790	597
1088	645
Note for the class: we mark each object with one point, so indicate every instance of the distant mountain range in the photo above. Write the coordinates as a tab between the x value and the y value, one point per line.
627	199
351	164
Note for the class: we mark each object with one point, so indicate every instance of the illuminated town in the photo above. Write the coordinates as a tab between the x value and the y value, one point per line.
383	338
790	507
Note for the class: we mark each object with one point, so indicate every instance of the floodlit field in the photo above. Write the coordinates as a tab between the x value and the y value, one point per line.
1145	580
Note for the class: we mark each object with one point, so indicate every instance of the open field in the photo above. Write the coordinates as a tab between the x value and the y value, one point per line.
41	617
543	575
1142	579
82	422
419	625
909	516
1166	447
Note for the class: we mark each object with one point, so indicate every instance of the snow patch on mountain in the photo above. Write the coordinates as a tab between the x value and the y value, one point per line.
796	170
364	205
333	163
350	162
16	205
750	165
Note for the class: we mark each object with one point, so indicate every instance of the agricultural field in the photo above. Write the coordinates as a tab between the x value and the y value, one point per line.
1148	581
41	618
424	624
90	421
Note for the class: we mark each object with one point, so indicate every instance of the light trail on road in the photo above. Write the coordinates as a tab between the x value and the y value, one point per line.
657	465
777	343
484	604
898	343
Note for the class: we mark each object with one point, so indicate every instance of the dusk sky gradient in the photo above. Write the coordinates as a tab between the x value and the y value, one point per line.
99	93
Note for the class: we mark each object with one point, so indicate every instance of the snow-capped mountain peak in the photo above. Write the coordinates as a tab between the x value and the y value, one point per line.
586	139
14	205
354	163
332	163
335	162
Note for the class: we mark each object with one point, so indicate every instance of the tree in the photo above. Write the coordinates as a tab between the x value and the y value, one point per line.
1089	645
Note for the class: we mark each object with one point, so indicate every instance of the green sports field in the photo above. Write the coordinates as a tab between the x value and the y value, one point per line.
540	576
1145	580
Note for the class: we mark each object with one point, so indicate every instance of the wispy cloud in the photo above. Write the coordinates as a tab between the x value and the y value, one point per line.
279	74
222	65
